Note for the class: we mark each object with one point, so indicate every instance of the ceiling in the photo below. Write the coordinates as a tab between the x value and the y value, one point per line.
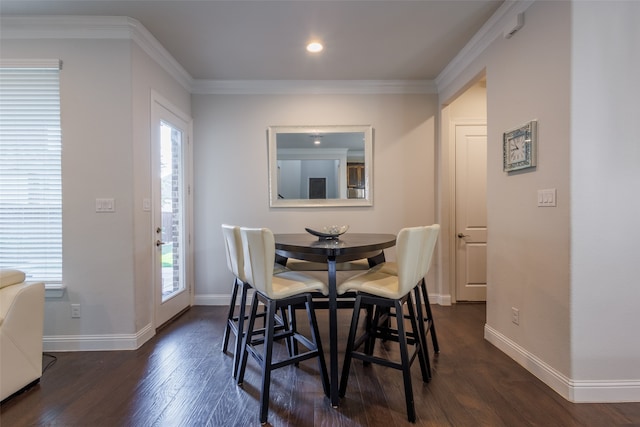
266	39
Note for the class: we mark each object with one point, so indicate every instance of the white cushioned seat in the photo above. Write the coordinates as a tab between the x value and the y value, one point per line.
21	329
235	263
384	291
10	277
286	290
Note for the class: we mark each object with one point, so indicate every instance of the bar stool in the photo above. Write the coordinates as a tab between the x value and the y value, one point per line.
235	324
235	263
286	289
383	292
422	296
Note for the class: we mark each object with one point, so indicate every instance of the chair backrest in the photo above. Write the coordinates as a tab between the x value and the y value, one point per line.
431	237
414	250
233	249
259	250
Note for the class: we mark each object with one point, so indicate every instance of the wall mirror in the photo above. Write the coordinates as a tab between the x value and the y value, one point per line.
315	166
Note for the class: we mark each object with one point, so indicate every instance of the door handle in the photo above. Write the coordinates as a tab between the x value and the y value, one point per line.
462	236
160	243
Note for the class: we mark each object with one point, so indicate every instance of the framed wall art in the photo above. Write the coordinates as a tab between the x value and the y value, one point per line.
520	147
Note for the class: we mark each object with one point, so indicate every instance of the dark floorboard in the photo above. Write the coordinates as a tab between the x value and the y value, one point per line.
181	378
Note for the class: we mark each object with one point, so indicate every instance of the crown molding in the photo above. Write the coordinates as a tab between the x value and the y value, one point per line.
125	28
148	43
312	87
120	27
491	30
95	27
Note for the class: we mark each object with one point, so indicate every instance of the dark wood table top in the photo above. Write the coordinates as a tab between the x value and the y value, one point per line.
349	247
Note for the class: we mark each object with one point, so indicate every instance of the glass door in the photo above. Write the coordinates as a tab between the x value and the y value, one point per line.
171	206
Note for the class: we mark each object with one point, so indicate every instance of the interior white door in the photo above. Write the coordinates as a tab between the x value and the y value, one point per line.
171	183
471	212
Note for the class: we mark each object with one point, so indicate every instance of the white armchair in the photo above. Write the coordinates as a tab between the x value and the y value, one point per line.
21	329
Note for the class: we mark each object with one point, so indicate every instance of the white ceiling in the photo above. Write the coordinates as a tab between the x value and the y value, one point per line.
265	39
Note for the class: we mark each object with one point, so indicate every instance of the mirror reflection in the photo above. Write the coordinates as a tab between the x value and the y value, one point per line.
320	165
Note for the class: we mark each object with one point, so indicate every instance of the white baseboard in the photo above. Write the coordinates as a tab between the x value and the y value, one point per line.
581	391
605	391
440	299
105	342
218	299
223	299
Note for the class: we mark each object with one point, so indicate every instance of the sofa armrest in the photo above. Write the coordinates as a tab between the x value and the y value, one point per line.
21	330
10	277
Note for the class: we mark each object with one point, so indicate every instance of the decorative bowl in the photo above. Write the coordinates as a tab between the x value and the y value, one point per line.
329	232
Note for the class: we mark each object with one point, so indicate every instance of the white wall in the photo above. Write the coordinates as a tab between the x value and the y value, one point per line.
147	77
95	92
105	103
528	257
573	67
231	169
605	189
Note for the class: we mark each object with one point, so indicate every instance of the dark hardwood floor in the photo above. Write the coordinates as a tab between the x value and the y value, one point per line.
181	378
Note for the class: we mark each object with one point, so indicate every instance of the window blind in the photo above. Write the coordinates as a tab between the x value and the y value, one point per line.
31	169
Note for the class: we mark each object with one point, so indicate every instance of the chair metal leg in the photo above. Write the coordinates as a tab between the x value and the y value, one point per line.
240	332
246	339
315	335
370	342
432	325
417	326
383	309
232	307
349	350
369	327
266	359
406	365
293	326
279	328
418	321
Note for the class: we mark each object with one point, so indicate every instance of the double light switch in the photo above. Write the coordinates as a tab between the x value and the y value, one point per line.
547	197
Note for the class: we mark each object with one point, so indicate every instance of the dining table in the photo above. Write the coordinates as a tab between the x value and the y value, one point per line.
347	247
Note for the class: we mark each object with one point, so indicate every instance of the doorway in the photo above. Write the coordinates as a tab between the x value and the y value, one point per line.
464	213
171	207
317	188
471	212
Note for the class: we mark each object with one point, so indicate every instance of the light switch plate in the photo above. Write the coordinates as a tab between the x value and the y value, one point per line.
547	197
105	205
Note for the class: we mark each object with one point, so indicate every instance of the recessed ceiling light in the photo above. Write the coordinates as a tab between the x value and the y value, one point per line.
315	47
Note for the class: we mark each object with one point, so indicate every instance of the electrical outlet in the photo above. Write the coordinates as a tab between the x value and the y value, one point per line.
75	311
515	315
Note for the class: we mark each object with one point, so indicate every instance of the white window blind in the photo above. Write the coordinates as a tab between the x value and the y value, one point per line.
30	169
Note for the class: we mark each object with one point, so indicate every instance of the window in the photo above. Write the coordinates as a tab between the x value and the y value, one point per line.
30	169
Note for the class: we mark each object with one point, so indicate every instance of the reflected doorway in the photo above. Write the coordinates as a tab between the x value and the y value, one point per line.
317	188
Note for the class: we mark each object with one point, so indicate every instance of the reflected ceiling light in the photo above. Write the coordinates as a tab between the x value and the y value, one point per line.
315	47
